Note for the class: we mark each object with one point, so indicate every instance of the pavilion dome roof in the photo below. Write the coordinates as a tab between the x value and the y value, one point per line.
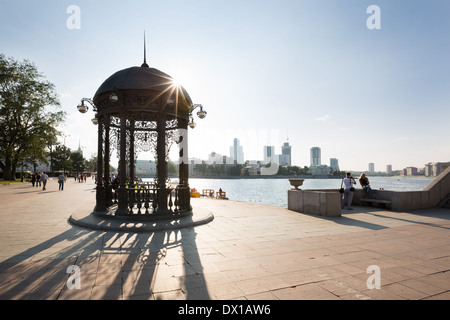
136	78
142	81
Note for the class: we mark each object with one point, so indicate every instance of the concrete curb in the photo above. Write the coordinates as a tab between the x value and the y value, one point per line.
93	222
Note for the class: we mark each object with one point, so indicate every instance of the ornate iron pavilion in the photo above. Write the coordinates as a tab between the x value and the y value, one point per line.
141	109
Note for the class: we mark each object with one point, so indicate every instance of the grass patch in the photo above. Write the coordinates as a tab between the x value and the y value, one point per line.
9	181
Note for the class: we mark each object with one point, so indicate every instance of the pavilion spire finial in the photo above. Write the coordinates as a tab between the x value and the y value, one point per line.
145	65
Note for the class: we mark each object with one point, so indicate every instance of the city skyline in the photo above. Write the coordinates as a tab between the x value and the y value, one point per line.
311	72
268	155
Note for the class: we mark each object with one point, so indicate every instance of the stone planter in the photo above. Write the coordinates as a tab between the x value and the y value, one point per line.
296	182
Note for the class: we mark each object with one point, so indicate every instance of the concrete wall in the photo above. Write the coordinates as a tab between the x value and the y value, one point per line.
400	200
430	197
327	202
439	188
320	202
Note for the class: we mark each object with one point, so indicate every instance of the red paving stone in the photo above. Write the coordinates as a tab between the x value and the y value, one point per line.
249	251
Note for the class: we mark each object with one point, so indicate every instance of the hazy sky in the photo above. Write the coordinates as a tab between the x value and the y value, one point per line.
311	71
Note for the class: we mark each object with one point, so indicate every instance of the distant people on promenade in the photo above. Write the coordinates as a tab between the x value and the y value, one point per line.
365	184
44	179
348	191
38	179
33	178
61	180
115	182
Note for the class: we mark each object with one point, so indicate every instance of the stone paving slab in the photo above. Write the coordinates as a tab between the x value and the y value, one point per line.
248	251
89	220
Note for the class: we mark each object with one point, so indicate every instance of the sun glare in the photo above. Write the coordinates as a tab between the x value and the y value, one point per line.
176	83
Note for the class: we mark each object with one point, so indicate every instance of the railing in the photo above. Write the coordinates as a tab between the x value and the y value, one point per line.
144	199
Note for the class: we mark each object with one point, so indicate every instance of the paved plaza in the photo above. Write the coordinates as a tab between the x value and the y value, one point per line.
226	250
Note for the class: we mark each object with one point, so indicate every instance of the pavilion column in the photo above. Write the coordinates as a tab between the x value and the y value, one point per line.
107	175
122	202
183	155
184	191
100	192
132	167
161	164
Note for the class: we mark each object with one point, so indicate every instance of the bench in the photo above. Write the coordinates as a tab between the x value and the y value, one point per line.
208	193
221	195
376	201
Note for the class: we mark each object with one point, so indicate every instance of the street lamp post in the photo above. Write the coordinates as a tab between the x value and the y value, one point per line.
201	114
101	191
84	108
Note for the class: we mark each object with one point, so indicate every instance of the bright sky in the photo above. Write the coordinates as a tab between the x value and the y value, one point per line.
264	70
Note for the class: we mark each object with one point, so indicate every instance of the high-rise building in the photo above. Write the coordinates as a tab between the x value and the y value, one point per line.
389	169
269	154
433	169
334	164
411	171
371	167
285	158
315	156
80	150
237	152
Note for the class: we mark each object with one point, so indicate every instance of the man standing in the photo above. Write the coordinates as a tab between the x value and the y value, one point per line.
44	179
348	191
61	180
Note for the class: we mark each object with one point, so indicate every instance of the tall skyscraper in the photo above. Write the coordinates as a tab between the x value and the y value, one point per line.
334	164
315	156
237	152
269	154
389	169
371	167
285	159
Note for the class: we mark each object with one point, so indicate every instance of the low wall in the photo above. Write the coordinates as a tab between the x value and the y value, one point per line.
327	202
320	202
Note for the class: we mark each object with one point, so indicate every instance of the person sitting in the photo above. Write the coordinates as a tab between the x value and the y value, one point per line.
365	184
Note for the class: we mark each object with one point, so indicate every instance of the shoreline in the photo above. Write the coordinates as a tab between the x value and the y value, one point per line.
265	177
252	177
281	177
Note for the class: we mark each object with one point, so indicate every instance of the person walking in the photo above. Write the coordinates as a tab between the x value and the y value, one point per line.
44	179
348	191
33	178
38	179
61	180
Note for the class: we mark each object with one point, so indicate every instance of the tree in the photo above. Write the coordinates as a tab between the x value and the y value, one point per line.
171	169
61	159
78	162
25	123
91	164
